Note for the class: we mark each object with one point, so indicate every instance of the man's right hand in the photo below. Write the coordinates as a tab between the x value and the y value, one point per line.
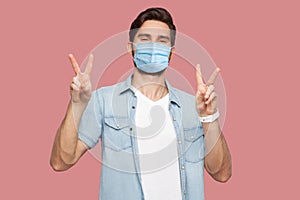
81	87
67	148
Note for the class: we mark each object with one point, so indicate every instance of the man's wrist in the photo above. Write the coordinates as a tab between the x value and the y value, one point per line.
210	118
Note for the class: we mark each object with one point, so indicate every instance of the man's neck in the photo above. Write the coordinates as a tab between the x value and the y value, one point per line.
152	86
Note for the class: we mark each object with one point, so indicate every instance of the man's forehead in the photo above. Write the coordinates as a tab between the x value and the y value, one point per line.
154	27
153	31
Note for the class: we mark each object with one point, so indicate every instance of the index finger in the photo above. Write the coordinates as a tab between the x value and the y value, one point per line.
213	76
74	64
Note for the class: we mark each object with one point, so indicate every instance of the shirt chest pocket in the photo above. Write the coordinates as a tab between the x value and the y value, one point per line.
194	144
116	133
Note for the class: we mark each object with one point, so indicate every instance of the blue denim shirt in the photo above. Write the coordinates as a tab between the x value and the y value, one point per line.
109	117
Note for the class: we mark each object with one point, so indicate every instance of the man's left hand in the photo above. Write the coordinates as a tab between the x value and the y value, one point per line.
206	97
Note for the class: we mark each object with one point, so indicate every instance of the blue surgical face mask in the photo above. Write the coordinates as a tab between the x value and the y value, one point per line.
151	57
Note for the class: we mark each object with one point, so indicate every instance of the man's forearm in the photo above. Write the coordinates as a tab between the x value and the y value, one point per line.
65	143
218	158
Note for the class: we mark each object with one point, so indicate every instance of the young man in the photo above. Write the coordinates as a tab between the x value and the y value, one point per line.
153	136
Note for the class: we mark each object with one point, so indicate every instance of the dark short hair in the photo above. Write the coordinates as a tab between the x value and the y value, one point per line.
159	14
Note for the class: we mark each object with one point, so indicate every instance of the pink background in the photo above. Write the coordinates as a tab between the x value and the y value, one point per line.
256	43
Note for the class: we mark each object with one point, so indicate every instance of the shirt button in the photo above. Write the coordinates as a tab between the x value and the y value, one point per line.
118	126
130	129
133	107
174	119
182	167
179	141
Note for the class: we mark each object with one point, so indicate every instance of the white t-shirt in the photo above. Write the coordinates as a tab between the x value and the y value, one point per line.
157	149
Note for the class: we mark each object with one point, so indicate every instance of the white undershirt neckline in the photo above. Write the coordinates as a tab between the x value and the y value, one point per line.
141	95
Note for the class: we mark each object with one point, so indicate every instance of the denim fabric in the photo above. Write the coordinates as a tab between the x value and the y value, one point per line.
109	118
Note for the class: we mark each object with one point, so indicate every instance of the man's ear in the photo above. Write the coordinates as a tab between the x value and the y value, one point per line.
171	53
129	47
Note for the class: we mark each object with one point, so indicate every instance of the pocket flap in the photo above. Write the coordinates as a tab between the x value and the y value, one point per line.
193	134
117	123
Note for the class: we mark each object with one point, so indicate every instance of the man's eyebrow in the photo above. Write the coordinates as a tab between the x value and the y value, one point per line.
144	35
164	37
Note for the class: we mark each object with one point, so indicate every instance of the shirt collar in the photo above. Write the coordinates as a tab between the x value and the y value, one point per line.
173	97
126	86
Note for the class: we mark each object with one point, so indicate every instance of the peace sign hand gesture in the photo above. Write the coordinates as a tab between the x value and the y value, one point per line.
81	87
206	97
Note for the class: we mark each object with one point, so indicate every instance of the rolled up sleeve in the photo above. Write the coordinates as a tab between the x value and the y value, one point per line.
90	127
